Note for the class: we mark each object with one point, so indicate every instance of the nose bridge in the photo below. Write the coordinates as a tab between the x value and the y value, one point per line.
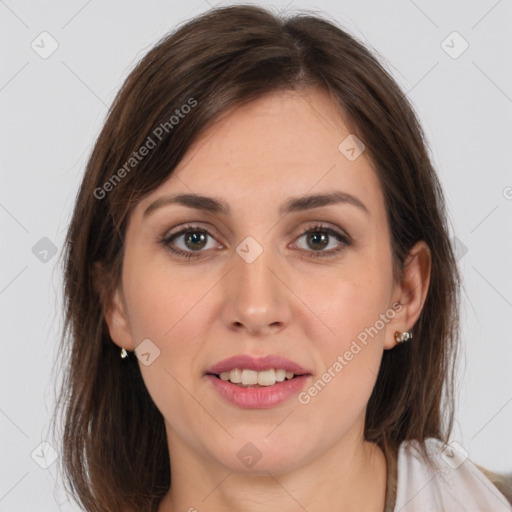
255	296
252	270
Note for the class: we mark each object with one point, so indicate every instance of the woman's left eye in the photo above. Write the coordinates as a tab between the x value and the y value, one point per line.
321	237
195	238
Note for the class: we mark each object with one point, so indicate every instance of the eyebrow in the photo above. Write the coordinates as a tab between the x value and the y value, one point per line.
292	204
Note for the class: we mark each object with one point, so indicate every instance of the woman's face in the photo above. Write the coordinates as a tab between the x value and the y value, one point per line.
256	285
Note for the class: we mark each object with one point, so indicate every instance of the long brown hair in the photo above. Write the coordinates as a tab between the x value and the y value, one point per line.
115	454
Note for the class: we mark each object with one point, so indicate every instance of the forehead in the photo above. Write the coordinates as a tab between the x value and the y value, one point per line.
284	144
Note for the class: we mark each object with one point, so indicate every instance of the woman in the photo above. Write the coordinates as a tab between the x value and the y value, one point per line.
262	299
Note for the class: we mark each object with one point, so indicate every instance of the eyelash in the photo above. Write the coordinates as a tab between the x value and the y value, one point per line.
319	228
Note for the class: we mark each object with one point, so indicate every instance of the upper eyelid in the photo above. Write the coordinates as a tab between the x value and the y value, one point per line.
189	227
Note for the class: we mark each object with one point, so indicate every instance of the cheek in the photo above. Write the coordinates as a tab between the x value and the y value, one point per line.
357	314
175	311
349	361
167	309
165	304
347	303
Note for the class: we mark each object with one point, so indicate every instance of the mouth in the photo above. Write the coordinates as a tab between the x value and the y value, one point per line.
245	370
257	396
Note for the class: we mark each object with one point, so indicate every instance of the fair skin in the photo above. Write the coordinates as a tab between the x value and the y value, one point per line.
201	310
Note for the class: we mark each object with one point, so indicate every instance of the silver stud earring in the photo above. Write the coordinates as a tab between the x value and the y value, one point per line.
124	353
400	337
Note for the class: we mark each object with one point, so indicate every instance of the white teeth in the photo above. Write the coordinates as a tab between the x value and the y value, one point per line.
246	377
235	376
280	375
249	377
267	378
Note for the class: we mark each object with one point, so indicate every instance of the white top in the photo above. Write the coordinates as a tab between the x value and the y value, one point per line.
457	485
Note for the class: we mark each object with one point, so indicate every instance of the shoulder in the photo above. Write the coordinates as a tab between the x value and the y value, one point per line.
502	482
453	482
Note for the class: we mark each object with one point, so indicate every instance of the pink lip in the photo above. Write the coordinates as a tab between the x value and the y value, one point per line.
245	361
258	398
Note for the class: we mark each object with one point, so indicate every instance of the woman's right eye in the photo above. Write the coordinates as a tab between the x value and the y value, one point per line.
194	239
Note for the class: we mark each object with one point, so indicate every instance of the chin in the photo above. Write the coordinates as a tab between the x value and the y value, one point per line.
258	453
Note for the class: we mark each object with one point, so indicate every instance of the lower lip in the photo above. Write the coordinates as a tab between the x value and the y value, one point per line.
258	398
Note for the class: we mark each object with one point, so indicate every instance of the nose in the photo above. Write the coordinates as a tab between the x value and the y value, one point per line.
256	295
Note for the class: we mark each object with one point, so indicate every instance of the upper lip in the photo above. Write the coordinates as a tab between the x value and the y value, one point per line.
246	361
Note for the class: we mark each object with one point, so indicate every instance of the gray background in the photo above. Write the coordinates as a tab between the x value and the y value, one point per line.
52	109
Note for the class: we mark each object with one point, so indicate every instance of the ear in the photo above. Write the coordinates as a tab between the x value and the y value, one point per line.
113	307
411	292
